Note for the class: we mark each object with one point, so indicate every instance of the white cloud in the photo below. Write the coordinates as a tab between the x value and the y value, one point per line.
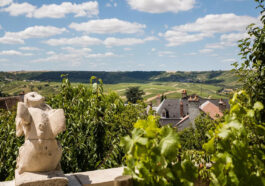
233	37
230	60
105	26
160	6
29	48
112	41
30	32
166	53
83	41
111	4
3	60
217	23
77	51
176	38
127	49
16	9
100	55
207	27
108	5
8	40
227	40
14	53
59	11
5	2
191	54
53	10
50	53
72	57
206	50
153	49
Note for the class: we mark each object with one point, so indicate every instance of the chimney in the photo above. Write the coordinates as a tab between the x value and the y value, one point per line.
222	105
184	93
151	104
196	98
181	109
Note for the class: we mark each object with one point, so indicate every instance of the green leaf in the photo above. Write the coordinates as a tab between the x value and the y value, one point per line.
258	106
169	144
209	146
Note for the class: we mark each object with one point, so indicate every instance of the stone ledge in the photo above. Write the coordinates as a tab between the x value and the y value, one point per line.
52	178
104	177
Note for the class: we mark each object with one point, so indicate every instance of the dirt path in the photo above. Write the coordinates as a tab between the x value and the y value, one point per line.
166	93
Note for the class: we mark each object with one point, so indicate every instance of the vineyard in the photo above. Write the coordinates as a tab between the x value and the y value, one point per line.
104	132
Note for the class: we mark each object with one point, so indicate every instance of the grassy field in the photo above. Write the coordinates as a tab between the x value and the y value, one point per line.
152	89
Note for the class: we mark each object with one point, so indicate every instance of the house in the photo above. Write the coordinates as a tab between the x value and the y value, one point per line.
181	113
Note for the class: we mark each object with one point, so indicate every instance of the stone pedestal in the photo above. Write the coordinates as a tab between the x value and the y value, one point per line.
52	178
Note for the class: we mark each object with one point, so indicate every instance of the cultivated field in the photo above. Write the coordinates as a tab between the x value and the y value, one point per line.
151	89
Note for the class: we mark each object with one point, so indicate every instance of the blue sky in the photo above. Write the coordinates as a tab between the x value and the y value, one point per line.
122	35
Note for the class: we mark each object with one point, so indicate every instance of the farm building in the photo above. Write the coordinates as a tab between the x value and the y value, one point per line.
181	113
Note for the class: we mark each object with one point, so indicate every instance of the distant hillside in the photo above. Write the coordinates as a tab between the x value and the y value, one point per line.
220	78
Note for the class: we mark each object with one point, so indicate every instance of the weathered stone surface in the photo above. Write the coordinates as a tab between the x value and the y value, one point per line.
106	177
8	183
123	181
40	124
99	177
52	178
39	157
72	180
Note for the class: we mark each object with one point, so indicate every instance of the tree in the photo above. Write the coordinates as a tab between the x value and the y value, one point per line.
133	94
252	52
237	144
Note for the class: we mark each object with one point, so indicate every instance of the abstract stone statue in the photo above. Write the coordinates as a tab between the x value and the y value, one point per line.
40	124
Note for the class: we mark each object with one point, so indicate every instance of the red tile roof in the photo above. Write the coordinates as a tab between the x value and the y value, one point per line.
211	109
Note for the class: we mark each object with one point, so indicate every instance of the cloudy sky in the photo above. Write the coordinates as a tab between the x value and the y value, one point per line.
122	35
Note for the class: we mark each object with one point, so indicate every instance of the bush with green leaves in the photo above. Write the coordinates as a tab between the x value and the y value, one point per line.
153	156
237	145
251	70
95	122
194	138
9	144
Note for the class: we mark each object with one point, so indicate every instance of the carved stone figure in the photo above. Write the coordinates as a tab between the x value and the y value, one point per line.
40	124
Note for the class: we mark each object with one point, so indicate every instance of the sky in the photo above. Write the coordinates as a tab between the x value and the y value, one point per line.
123	35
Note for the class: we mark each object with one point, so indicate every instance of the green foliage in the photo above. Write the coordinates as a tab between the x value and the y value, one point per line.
134	94
237	145
252	52
9	144
153	157
95	122
193	139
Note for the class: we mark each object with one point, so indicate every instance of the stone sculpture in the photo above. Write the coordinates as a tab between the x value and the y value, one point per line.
40	124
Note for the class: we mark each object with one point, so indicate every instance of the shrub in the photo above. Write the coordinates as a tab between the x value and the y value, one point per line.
9	144
95	123
237	145
153	156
